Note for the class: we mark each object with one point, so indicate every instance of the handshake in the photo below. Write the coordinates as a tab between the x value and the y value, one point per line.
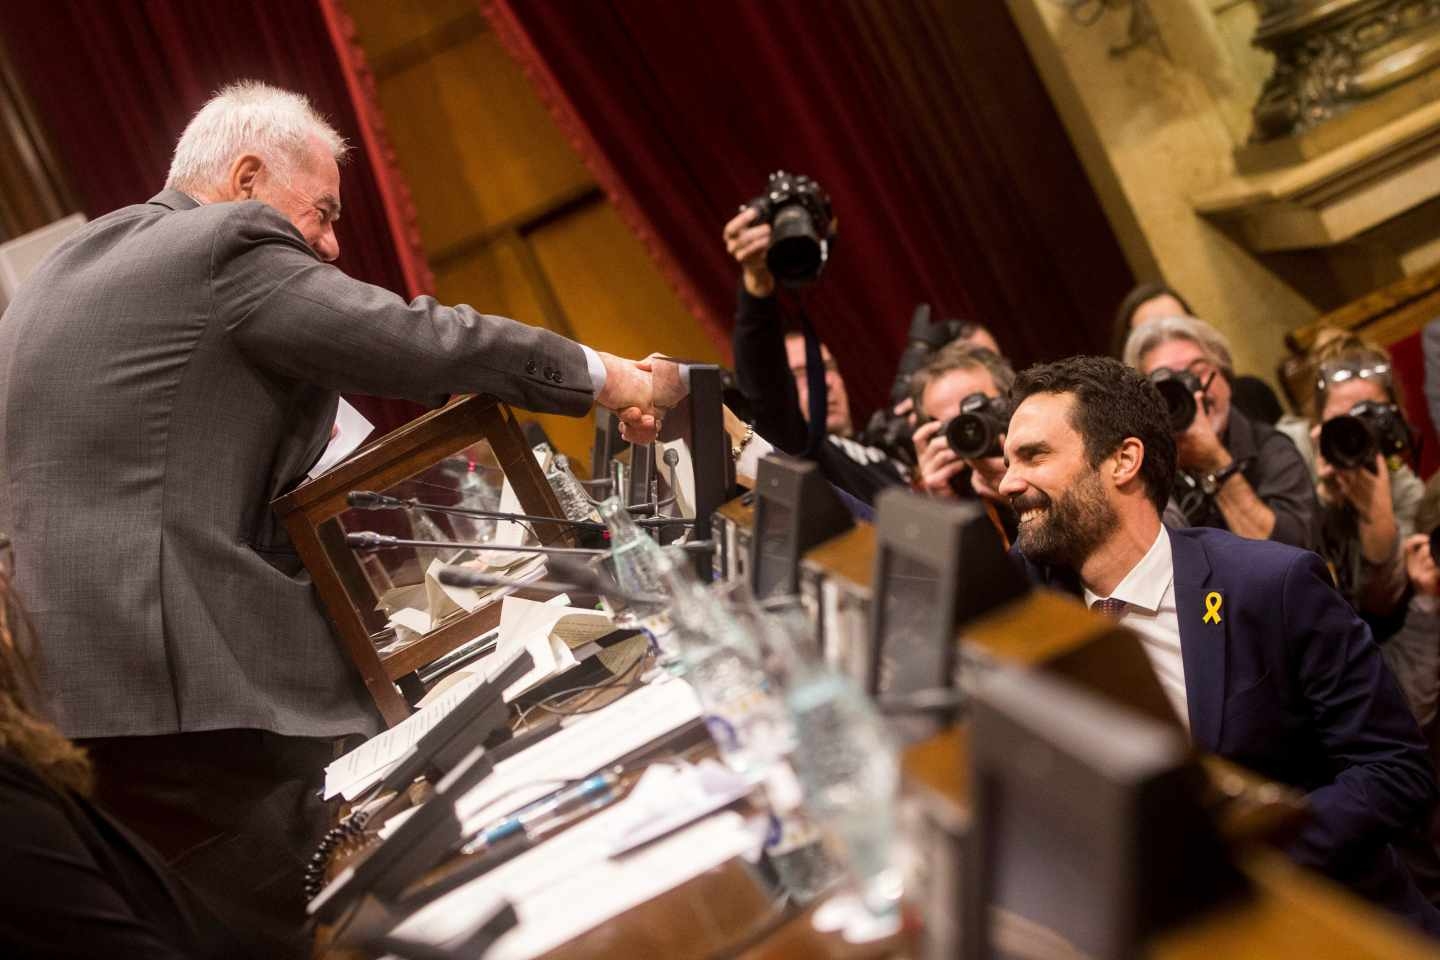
640	392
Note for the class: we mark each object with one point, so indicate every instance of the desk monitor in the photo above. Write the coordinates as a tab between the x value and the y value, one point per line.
608	443
795	510
1089	834
641	479
709	453
938	564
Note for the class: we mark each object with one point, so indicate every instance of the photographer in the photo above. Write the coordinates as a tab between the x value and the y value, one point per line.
963	459
954	375
770	368
1236	474
1413	653
1367	497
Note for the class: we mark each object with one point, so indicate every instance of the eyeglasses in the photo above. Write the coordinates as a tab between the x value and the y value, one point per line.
1341	371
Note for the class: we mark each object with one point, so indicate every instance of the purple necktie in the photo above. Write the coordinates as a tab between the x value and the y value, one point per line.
1110	607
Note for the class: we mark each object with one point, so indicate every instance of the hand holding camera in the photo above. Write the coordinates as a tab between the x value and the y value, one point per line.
1420	564
747	241
1197	445
971	438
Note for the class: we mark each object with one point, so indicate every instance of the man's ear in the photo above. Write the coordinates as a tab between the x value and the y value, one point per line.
1127	461
244	173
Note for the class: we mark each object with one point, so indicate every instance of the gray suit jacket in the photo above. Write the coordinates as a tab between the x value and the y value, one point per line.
163	375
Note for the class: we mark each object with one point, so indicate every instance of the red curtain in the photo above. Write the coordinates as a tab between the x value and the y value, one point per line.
116	82
951	176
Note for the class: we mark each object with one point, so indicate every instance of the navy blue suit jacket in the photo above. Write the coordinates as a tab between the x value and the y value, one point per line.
1289	683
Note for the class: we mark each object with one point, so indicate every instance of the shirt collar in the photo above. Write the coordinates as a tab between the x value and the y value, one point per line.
1144	586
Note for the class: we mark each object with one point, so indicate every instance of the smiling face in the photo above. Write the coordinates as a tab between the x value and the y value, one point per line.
307	192
1188	355
1062	502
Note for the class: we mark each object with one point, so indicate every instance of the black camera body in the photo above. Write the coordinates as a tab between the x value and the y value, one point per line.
798	212
1178	388
1352	439
976	431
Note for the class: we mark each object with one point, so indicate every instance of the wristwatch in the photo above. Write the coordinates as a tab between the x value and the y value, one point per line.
1212	482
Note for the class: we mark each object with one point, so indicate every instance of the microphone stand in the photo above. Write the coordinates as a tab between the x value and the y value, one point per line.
370	500
370	540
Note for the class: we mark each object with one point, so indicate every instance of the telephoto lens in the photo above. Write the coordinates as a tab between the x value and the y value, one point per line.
1345	441
1352	440
1178	388
976	432
798	212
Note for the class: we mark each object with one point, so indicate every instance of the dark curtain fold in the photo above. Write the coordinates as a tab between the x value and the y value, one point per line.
952	178
116	82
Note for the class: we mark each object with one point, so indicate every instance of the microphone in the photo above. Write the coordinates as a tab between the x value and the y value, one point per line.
370	500
572	577
370	540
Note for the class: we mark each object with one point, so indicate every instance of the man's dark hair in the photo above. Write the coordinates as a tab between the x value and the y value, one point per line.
1112	402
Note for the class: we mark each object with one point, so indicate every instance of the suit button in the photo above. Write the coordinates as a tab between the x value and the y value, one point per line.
558	378
529	366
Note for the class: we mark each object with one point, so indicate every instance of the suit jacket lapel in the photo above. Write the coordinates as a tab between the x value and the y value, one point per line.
1202	642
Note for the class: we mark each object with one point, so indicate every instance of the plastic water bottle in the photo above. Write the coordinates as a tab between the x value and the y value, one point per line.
475	494
723	662
574	502
847	762
638	563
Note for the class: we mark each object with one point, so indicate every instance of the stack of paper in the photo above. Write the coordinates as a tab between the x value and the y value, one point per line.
549	631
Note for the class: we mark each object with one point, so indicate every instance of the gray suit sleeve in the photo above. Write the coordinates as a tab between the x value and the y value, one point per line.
292	314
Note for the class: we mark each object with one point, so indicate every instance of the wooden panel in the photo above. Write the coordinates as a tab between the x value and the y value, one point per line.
475	143
388	26
492	280
611	291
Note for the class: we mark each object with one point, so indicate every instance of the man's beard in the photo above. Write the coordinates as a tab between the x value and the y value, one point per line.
1067	530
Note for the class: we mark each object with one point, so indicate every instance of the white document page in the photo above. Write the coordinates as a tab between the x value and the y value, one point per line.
590	742
351	429
568	885
368	763
534	626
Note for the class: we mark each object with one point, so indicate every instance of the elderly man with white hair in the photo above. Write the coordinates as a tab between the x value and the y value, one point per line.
164	374
1237	474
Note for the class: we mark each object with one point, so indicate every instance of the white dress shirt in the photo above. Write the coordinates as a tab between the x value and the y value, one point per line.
1149	594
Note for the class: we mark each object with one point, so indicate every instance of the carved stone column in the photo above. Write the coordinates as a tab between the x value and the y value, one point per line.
1334	56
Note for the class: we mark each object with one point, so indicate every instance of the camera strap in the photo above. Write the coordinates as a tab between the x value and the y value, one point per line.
815	379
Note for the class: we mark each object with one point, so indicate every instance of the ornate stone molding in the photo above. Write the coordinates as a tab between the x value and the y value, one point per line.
1333	55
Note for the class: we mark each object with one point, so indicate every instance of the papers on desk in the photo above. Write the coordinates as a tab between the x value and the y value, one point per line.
548	630
368	763
570	884
417	609
588	743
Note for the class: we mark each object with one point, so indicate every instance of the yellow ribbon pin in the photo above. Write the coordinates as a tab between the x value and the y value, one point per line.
1212	607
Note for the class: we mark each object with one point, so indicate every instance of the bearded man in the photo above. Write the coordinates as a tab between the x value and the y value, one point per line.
1264	662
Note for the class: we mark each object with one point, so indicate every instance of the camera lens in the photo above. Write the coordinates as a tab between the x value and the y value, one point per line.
795	251
1179	403
972	437
1347	443
1435	546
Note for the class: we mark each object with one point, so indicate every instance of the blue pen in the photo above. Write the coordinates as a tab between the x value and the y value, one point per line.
534	816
